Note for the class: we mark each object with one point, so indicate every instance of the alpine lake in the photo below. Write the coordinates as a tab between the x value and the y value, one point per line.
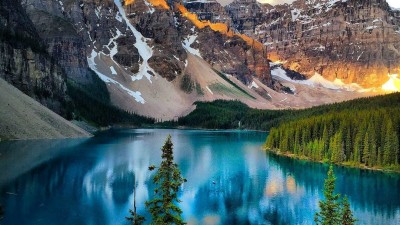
230	180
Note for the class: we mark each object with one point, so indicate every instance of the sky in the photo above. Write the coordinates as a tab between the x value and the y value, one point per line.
392	3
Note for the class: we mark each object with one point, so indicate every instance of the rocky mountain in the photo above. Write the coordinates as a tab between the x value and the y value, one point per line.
156	57
21	117
141	49
347	41
24	61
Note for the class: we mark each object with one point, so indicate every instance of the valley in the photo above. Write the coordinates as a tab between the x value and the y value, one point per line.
199	112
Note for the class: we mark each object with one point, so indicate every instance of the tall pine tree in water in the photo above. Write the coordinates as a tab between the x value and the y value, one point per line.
168	179
330	208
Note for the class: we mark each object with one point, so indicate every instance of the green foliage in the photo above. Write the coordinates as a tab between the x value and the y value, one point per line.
347	217
199	91
92	103
135	218
332	211
164	207
223	76
330	207
359	134
223	114
187	85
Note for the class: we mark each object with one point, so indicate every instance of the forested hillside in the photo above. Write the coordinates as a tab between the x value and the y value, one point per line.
223	114
362	132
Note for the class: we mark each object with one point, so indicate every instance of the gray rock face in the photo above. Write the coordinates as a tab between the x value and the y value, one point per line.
355	41
64	34
24	61
208	10
229	52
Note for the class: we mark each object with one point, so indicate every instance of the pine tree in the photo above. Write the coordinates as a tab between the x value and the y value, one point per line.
391	145
135	218
346	213
330	208
168	179
366	150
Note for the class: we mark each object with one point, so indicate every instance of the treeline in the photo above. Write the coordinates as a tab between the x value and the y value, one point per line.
367	137
222	114
91	102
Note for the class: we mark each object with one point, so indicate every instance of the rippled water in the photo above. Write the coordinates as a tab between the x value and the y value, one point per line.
230	181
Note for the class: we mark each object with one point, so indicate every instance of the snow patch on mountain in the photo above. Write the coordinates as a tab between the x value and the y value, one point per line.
316	81
113	43
295	14
92	64
150	6
253	85
113	71
187	45
145	51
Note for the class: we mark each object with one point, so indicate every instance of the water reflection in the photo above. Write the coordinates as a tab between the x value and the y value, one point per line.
230	181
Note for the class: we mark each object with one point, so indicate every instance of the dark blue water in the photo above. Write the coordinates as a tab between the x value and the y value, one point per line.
230	181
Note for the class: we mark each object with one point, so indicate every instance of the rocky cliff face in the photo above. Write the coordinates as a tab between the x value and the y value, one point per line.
354	41
24	61
208	10
140	49
227	51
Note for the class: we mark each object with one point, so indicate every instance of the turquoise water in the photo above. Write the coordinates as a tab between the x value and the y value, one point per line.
230	181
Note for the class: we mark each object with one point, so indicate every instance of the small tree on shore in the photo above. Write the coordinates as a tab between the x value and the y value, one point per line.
168	179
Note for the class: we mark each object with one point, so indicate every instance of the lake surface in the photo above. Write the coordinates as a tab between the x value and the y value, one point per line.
230	181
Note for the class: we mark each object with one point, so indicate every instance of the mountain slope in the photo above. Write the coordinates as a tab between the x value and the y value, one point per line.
354	41
24	118
24	61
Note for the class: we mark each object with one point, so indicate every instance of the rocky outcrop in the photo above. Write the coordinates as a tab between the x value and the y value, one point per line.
227	51
60	24
21	117
24	61
210	10
355	41
245	15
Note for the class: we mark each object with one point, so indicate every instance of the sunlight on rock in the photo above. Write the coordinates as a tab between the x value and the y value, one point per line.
393	84
159	3
128	2
219	27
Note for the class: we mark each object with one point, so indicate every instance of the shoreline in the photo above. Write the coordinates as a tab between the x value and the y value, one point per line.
345	164
122	127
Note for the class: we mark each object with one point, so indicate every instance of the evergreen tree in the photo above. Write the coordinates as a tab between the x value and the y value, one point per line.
168	179
330	208
346	213
135	218
366	150
391	145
